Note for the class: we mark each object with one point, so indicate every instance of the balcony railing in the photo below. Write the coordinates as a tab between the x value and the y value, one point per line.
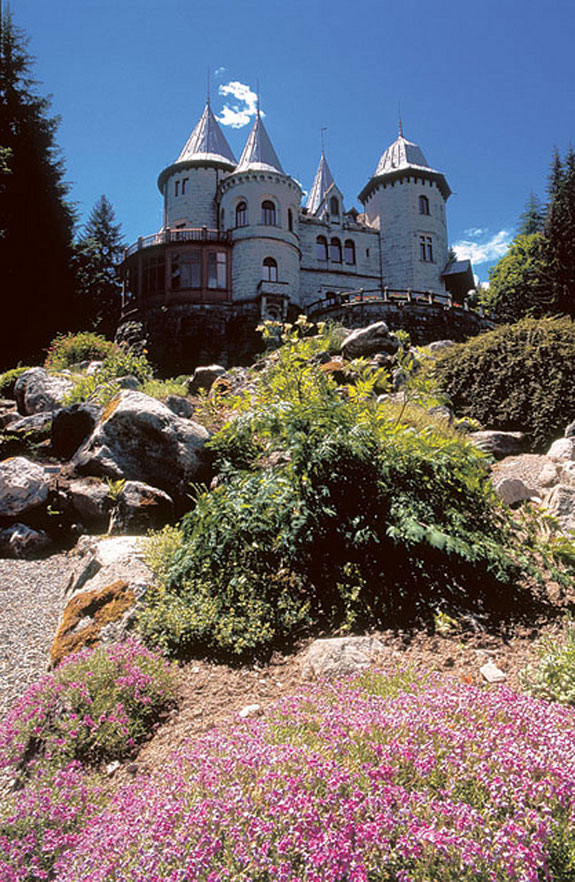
387	295
186	234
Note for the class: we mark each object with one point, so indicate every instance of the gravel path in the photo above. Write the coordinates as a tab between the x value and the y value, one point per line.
30	606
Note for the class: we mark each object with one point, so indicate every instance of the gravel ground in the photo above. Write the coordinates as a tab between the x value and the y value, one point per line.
30	606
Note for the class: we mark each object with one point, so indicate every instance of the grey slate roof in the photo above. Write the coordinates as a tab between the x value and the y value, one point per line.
259	154
456	267
322	182
207	142
401	154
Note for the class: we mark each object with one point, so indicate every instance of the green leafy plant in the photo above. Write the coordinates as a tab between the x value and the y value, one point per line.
69	349
162	388
102	386
8	379
553	677
115	488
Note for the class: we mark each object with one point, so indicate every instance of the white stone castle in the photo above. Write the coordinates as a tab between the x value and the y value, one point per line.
237	243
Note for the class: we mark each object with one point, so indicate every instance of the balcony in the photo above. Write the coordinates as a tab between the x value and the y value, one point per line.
186	234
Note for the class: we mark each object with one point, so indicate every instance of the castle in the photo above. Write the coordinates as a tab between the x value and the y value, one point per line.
236	246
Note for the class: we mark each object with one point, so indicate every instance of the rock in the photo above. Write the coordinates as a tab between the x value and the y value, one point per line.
492	673
367	341
562	450
567	472
339	656
128	382
570	430
140	439
23	486
204	377
498	444
180	406
107	579
443	412
35	391
561	504
139	508
337	369
36	427
536	472
71	426
112	768
91	502
513	490
548	476
6	418
440	345
20	541
93	367
250	710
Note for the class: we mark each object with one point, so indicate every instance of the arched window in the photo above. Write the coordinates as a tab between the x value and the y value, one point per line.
349	252
242	214
269	270
268	213
321	248
335	251
334	206
423	205
290	220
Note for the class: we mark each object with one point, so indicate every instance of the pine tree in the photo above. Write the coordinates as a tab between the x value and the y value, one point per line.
560	230
36	223
97	254
533	218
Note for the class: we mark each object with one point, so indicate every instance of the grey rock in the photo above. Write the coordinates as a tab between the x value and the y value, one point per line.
491	673
367	341
204	377
7	418
22	541
570	430
93	367
443	412
561	504
512	491
129	382
139	508
498	444
140	439
562	450
180	406
96	563
339	656
91	502
35	427
35	391
440	346
71	426
23	486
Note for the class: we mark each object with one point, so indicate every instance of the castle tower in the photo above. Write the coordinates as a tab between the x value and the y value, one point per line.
259	206
405	200
325	199
189	186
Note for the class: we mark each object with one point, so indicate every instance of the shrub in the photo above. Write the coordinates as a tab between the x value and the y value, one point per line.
69	349
8	381
98	705
365	781
516	378
554	676
101	386
162	388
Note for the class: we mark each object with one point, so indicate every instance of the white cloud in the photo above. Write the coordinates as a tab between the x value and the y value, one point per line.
219	71
474	232
237	113
486	251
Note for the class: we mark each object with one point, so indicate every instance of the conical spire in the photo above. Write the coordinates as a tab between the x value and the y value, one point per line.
259	154
207	142
322	182
401	154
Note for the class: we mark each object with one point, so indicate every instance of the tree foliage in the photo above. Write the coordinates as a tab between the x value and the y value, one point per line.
97	253
521	282
36	220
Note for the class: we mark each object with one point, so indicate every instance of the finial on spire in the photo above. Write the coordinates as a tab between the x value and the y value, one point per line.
208	97
322	130
258	98
400	128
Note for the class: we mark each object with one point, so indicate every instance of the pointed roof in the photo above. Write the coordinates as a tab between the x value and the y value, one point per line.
322	182
400	157
259	154
207	143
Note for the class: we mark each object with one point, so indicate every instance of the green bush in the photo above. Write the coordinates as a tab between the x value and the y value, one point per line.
8	381
69	349
101	386
516	378
372	514
554	676
162	388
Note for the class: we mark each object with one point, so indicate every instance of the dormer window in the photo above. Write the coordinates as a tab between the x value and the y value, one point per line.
269	270
242	214
334	206
423	205
268	213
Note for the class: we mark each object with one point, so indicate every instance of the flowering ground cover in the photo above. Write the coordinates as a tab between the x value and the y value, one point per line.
373	779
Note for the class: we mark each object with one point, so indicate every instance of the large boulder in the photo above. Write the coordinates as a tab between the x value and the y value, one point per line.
19	540
180	406
35	391
71	426
204	377
35	427
91	503
562	450
368	341
140	439
534	472
23	486
561	504
140	507
498	444
340	656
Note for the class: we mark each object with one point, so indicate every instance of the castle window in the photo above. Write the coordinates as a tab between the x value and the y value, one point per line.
423	205
242	214
186	270
349	252
290	220
334	206
269	270
321	248
335	251
177	188
426	248
154	269
268	213
429	248
217	269
184	185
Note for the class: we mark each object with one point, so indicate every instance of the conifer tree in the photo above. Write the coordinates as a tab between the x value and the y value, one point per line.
560	231
97	254
36	223
533	218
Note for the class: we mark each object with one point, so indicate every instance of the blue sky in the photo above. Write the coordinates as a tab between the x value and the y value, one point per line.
486	89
